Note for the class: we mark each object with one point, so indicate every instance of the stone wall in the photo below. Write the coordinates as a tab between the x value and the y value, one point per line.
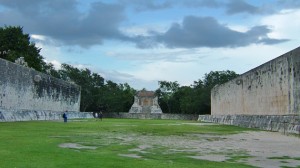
280	123
28	115
151	116
270	89
23	88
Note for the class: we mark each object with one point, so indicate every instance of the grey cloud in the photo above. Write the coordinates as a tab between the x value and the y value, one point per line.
289	4
207	32
146	5
203	3
180	56
34	8
63	21
151	5
240	6
144	42
231	7
258	34
270	41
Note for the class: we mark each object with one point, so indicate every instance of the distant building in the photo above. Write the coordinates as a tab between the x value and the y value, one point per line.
145	102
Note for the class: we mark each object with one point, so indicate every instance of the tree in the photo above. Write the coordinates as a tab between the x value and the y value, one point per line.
165	94
218	77
90	84
117	97
194	99
14	44
200	96
96	93
212	79
185	101
111	97
127	96
50	70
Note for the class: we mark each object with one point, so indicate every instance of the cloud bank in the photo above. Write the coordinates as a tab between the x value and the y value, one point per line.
196	32
69	24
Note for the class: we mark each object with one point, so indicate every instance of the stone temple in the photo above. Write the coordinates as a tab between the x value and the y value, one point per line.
145	102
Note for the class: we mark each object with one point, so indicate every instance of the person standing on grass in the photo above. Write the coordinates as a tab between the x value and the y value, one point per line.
100	115
65	117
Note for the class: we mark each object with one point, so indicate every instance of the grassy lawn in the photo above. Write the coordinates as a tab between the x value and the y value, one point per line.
108	143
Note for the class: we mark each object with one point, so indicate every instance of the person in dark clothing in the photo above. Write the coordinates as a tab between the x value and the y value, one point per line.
65	117
100	115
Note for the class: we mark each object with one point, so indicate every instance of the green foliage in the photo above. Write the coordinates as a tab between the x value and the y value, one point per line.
210	80
218	77
117	97
89	82
14	44
194	99
96	94
166	94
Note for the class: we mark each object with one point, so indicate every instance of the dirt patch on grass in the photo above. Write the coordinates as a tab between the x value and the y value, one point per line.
76	146
262	146
141	149
261	149
256	148
130	155
216	158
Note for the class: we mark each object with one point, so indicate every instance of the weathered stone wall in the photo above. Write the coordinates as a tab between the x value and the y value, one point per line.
270	89
280	123
28	115
151	116
23	88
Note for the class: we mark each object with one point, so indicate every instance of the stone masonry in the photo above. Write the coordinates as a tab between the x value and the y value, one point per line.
22	88
270	89
266	97
145	102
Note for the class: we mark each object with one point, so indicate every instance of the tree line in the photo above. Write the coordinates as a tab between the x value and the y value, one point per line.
98	94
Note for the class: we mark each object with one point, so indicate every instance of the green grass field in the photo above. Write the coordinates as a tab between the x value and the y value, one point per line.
108	143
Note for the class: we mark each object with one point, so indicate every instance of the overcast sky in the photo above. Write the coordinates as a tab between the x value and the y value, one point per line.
141	42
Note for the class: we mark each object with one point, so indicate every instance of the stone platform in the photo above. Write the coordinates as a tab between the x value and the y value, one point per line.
280	123
28	115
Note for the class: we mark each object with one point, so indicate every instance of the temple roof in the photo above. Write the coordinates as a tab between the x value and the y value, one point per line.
144	93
